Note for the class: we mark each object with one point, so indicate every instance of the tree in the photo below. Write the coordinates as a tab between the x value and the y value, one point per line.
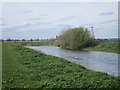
23	39
76	38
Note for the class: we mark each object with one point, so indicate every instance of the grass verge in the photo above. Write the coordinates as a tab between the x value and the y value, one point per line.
106	46
26	68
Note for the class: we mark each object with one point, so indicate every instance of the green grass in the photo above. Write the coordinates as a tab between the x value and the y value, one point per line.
26	68
107	46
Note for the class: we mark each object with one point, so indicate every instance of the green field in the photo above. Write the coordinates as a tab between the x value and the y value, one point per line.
112	46
26	68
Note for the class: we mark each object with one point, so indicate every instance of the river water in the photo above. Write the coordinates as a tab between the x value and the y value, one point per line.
93	60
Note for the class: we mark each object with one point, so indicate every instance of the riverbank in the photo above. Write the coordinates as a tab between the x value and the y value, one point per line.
103	45
93	60
26	68
110	45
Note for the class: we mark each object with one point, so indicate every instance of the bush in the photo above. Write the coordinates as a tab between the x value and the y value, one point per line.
76	38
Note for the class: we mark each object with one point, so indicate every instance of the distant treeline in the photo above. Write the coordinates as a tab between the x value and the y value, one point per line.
24	39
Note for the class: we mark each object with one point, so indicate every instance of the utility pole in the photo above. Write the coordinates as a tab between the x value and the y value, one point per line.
92	30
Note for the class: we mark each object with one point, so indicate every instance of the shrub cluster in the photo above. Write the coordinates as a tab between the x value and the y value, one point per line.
76	38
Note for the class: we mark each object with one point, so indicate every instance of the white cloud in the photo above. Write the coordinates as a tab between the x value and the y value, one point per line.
106	13
59	1
52	17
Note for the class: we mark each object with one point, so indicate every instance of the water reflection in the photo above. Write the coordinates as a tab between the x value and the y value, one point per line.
98	61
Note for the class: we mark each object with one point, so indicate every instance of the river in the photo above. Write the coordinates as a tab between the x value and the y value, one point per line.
93	60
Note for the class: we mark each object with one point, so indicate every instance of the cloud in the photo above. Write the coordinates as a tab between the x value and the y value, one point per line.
39	23
63	25
106	13
1	18
35	18
59	1
43	15
24	26
13	28
3	24
66	18
28	11
40	17
109	21
88	25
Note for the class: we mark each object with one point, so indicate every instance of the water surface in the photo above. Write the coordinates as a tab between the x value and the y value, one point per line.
94	60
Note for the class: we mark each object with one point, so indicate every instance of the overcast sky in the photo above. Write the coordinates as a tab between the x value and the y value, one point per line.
46	20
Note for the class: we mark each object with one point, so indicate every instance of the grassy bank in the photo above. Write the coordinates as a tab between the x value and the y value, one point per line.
106	46
26	68
110	45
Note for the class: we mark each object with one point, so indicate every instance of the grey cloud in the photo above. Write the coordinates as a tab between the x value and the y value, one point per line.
35	18
106	13
3	24
40	23
63	25
15	27
109	21
66	18
1	18
43	15
38	18
89	24
27	25
27	11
